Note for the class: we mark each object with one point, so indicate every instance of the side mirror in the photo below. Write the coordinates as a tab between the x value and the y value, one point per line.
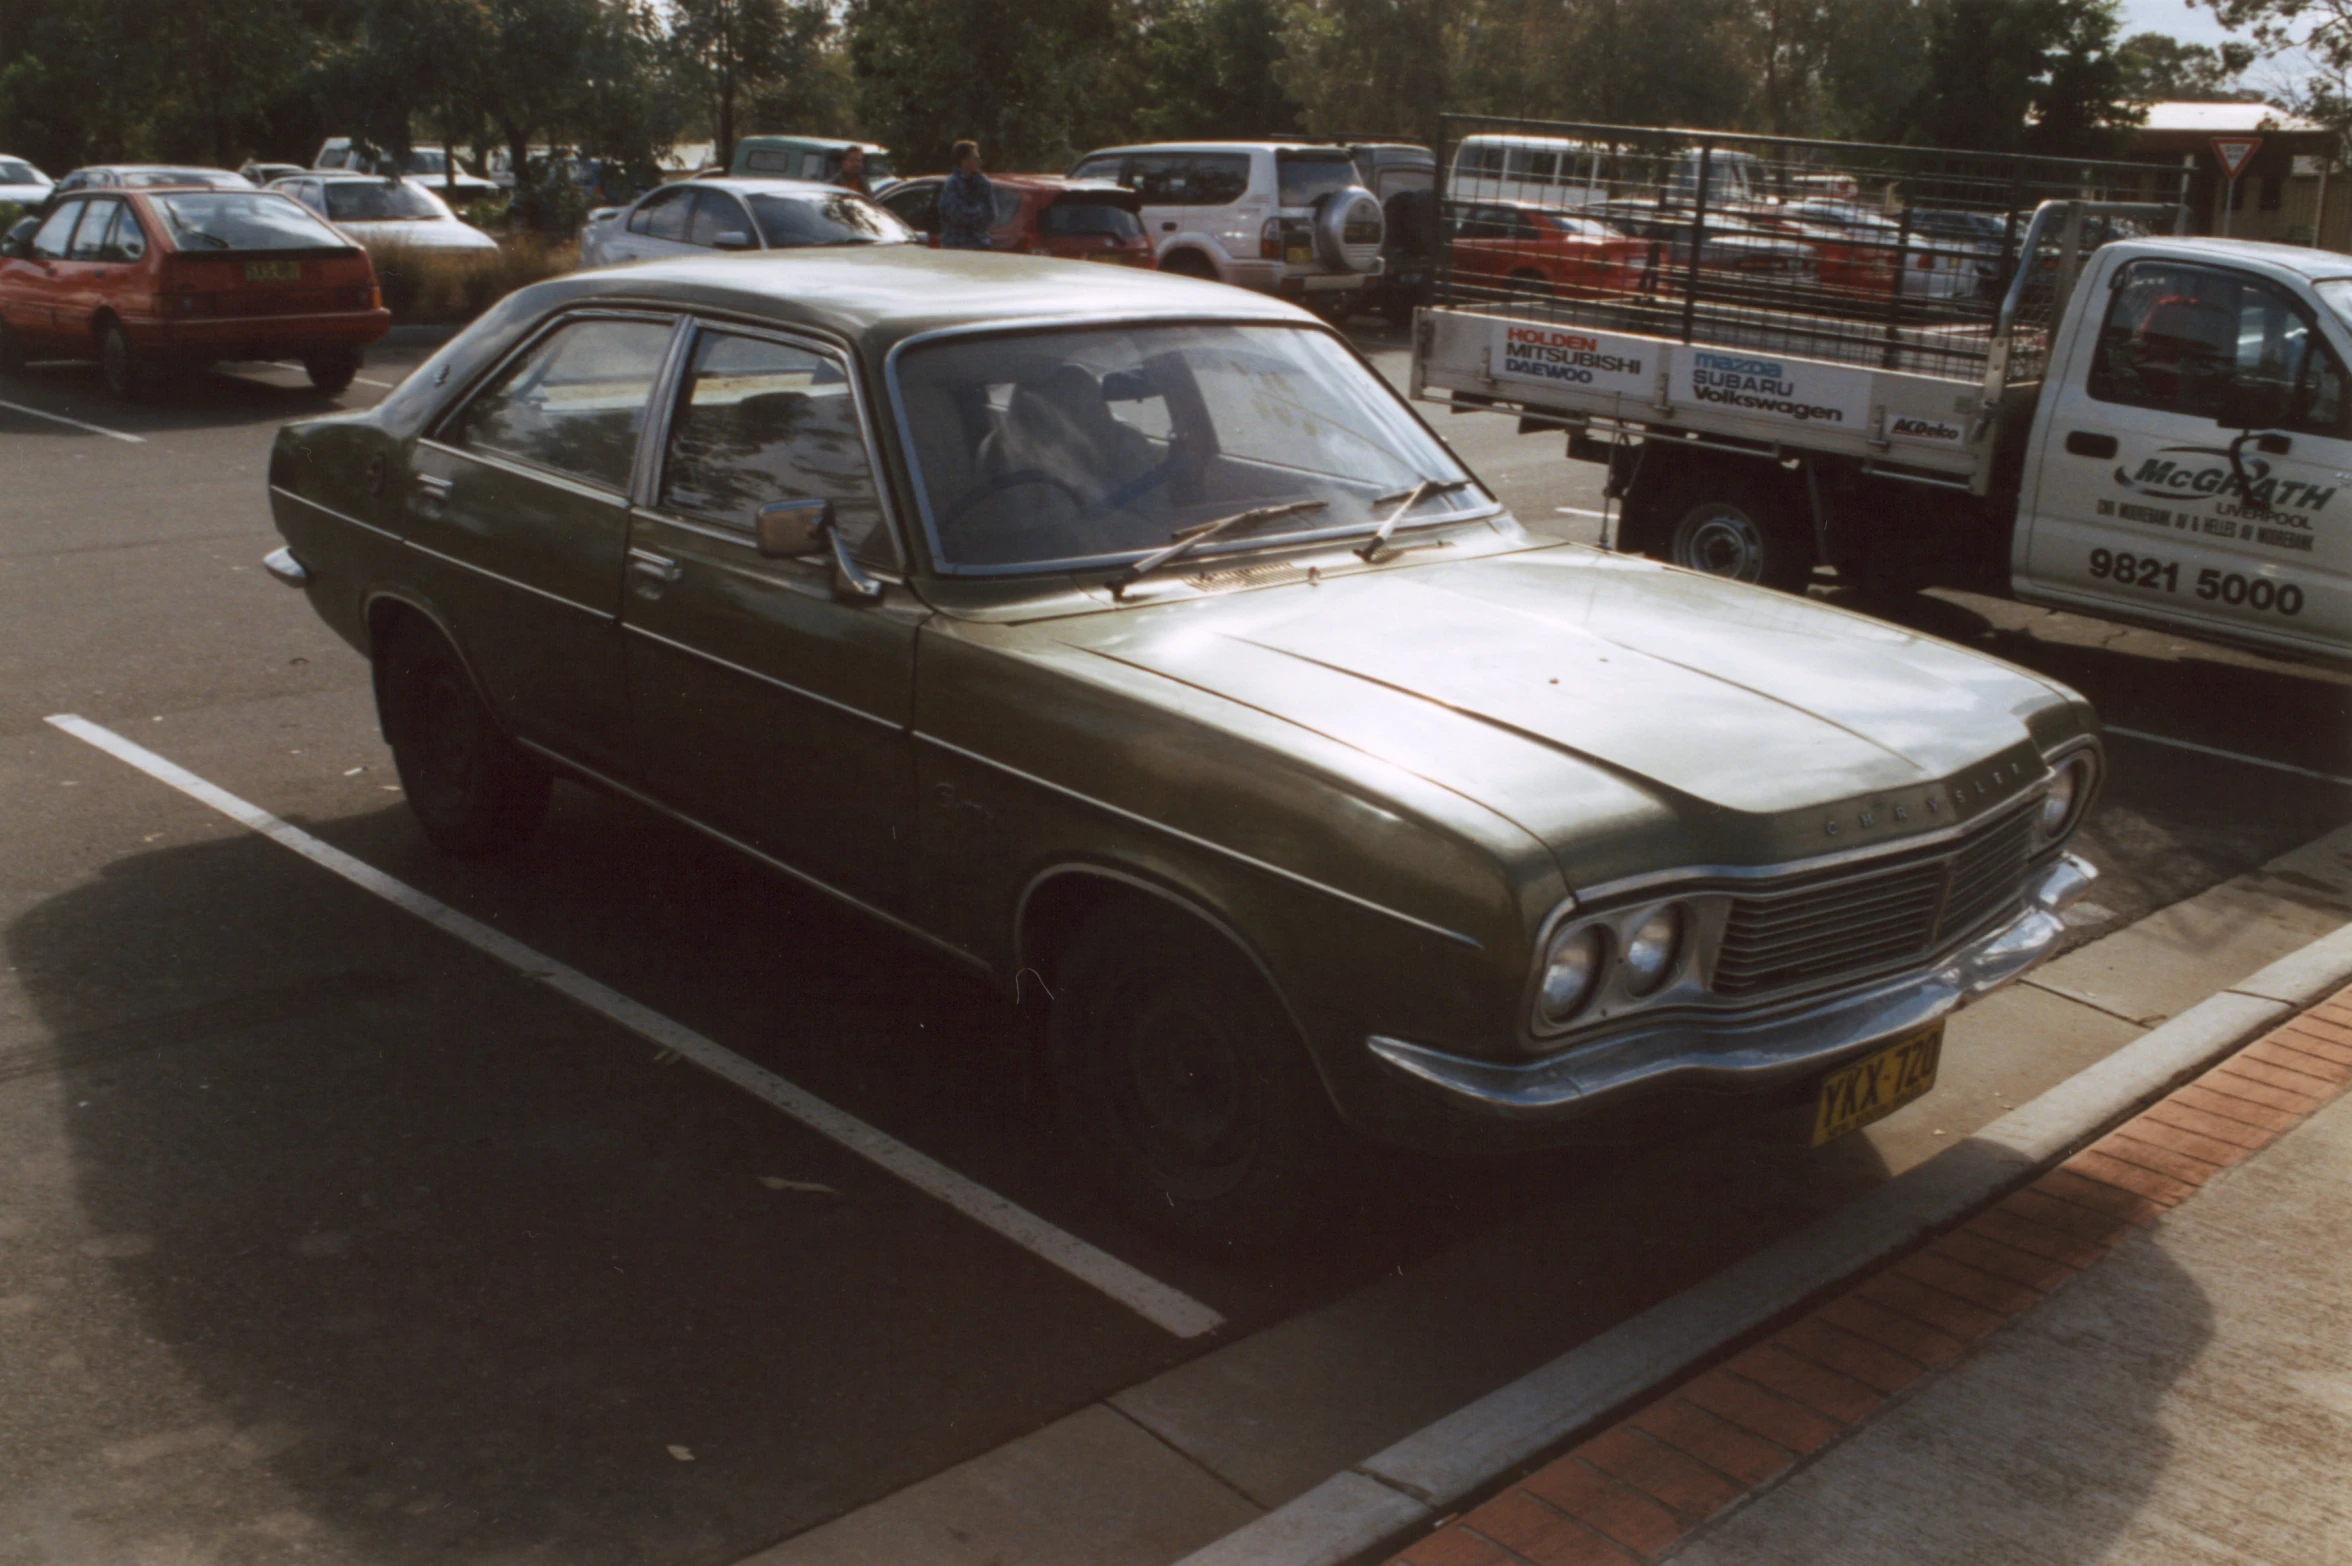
794	529
735	239
2251	405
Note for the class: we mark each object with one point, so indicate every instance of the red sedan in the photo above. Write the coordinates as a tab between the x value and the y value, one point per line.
1543	250
149	281
1042	215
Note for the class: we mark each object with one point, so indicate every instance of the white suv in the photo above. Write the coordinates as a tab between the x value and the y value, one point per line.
1280	217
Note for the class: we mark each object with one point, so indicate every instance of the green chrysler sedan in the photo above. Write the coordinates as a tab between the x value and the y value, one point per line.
1127	639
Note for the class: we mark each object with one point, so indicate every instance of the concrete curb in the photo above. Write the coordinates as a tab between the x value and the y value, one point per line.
1407	1486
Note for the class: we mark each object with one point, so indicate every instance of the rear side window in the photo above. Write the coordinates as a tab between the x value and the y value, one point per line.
762	421
1307	180
574	402
716	213
772	160
125	241
1222	178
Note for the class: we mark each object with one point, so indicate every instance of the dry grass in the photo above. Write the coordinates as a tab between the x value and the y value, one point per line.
441	287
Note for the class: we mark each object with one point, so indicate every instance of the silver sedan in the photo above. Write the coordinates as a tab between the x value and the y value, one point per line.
704	215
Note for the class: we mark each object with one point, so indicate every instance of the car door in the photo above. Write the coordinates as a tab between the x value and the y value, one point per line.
765	706
78	284
522	495
28	288
2135	501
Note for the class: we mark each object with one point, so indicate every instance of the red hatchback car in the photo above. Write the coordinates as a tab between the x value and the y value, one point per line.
149	281
1042	215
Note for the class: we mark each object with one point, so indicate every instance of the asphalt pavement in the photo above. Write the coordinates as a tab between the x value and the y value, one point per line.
324	1235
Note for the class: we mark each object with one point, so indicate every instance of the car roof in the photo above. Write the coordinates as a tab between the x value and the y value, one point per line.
756	184
2317	265
878	297
1026	182
819	143
1219	146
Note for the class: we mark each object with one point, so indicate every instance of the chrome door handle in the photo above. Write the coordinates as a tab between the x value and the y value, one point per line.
436	488
650	573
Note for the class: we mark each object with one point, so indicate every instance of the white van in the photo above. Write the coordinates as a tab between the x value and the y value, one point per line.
1556	171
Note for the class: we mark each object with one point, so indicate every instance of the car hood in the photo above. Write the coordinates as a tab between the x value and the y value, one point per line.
1611	707
422	234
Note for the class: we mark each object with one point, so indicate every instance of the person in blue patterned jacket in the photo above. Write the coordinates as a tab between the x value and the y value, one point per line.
967	202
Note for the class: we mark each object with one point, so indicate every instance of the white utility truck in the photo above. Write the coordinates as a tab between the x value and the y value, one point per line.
2153	428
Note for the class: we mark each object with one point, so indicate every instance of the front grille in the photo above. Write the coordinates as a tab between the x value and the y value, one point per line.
1859	923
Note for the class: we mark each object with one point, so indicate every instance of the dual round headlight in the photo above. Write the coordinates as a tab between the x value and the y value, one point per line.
1641	950
2069	786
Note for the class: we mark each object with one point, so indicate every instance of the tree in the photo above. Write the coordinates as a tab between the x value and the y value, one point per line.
2023	76
1212	68
735	49
2162	69
1036	82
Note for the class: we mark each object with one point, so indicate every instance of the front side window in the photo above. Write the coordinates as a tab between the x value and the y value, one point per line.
574	402
715	214
49	240
1084	447
917	206
2176	338
761	421
216	220
1111	171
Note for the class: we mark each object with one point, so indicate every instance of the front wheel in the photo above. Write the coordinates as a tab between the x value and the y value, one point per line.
331	369
1182	1077
472	789
12	353
1734	528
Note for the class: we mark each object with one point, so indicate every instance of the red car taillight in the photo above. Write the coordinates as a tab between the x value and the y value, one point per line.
1270	240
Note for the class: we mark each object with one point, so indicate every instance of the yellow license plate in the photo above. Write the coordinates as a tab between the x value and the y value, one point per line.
1112	257
1877	1085
1298	255
273	271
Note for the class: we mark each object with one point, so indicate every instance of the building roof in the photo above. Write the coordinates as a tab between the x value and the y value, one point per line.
2223	119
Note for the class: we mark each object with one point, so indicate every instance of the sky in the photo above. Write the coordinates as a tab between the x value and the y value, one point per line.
2190	24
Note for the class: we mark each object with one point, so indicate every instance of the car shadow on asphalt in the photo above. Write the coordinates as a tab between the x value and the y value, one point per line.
455	1264
218	398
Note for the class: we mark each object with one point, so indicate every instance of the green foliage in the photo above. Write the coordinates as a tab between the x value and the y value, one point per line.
2161	69
732	50
1213	68
442	287
1036	82
2023	76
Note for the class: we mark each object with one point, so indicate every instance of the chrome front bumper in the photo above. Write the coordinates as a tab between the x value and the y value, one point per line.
283	567
1736	1056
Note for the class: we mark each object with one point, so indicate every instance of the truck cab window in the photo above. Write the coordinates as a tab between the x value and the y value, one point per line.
2176	337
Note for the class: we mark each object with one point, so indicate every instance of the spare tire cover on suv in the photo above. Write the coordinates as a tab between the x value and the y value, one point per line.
1349	229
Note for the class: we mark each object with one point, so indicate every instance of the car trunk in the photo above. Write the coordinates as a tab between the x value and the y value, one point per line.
273	282
1093	223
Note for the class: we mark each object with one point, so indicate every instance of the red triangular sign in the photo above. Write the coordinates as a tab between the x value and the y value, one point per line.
2235	152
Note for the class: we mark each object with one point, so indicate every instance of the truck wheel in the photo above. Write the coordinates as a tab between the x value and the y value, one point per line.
129	374
1182	1078
473	790
1730	525
331	369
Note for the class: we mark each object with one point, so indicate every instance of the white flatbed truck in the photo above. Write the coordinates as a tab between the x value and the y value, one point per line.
2156	430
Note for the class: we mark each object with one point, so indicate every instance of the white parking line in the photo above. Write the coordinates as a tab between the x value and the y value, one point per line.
2230	755
385	385
59	418
1149	1298
1579	511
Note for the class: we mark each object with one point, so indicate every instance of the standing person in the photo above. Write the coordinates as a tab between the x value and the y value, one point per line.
967	203
853	171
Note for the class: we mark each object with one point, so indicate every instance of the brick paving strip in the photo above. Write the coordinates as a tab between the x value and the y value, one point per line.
1636	1490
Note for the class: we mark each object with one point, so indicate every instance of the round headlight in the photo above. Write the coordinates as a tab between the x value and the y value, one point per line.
2066	786
1572	968
1650	954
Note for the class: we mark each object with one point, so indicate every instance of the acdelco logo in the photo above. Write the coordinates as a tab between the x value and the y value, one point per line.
1926	429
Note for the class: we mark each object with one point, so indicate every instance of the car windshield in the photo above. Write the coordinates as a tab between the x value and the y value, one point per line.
143	179
378	201
14	173
1085	215
1308	177
1083	448
242	220
824	218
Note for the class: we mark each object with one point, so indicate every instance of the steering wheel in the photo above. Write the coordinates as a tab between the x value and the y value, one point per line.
1016	479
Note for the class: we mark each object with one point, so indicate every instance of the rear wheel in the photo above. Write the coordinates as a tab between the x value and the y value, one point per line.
129	374
1190	263
473	790
1182	1077
331	369
1731	524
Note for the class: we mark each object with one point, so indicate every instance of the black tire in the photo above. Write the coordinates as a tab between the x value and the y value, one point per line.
1190	263
473	790
331	369
130	375
12	354
1725	522
1181	1076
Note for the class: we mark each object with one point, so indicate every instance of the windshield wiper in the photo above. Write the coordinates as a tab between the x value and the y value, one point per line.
1409	498
1192	538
